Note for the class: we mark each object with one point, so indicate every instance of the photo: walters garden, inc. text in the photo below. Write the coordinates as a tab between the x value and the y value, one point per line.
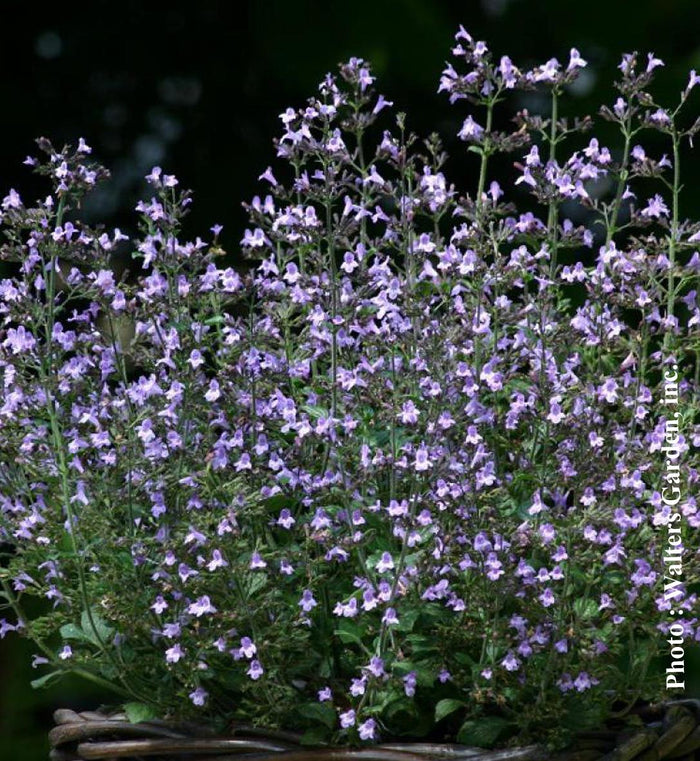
423	471
671	497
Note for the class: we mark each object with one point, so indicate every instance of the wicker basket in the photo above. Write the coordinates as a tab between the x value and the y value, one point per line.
670	731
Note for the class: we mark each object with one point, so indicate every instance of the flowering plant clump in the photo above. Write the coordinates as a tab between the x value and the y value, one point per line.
402	475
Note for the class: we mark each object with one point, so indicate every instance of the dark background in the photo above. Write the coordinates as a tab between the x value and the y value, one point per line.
197	87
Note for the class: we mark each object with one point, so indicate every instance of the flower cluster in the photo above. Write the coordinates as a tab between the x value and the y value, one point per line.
395	476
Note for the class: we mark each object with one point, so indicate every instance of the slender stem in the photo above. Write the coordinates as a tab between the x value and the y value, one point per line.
486	150
622	179
14	605
553	213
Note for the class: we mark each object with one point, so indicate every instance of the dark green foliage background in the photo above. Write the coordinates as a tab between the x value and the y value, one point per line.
197	86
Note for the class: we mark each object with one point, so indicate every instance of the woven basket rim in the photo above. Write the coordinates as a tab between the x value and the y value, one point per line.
670	730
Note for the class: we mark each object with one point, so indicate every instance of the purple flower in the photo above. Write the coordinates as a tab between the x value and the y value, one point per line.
199	696
307	601
201	607
376	666
584	682
285	519
257	562
409	684
325	694
248	648
347	719
575	61
358	687
159	605
381	103
19	340
367	729
217	561
172	630
422	461
537	504
565	682
470	130
174	654
5	627
548	72
267	175
409	413
346	610
66	653
656	207
390	617
547	533
653	62
693	80
510	662
12	200
255	671
154	177
644	575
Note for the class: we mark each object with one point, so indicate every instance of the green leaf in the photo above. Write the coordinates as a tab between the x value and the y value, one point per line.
408	620
46	680
482	732
97	631
446	707
71	631
319	712
255	582
349	633
314	412
585	609
425	675
464	659
421	644
138	712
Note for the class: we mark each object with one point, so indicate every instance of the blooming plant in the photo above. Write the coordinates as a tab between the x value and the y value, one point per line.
400	476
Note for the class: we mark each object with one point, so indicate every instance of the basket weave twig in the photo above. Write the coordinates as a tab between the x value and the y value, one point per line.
670	731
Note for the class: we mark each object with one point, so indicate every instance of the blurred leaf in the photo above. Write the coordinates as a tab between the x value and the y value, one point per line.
314	412
46	680
407	620
585	609
464	659
322	712
446	707
349	633
422	644
71	631
137	712
256	582
483	732
95	628
425	676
